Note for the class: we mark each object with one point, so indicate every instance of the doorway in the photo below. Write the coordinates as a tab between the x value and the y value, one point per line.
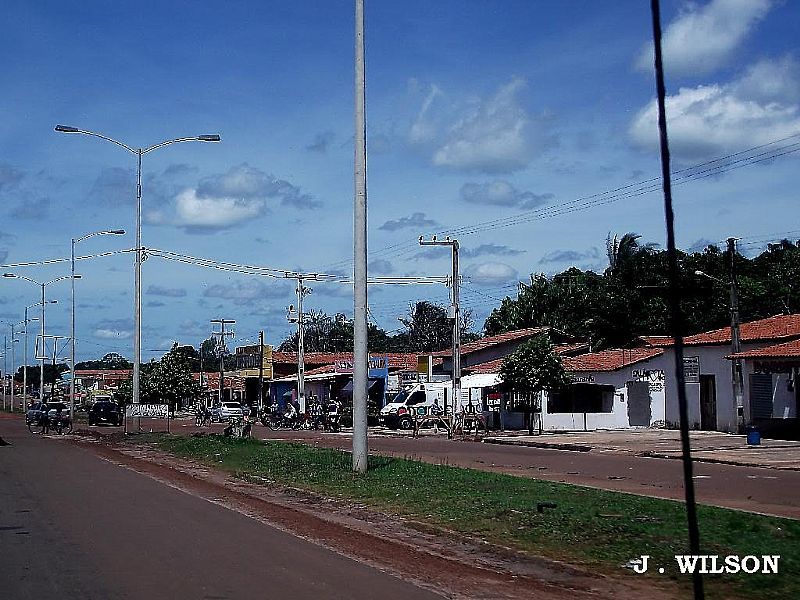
708	402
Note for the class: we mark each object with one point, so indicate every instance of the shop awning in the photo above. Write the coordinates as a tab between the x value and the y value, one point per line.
348	389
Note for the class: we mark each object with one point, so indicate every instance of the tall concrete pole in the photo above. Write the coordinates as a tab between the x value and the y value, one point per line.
736	344
72	339
25	360
360	349
456	334
260	400
13	366
301	352
5	368
42	355
137	300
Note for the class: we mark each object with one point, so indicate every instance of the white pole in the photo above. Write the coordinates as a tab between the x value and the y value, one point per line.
72	337
41	360
360	346
137	301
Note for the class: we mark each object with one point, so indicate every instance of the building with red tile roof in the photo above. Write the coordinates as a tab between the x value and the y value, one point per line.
771	329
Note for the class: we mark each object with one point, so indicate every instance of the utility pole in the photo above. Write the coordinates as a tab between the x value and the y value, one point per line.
13	364
455	314
360	343
259	402
5	367
55	339
736	343
222	333
25	354
299	318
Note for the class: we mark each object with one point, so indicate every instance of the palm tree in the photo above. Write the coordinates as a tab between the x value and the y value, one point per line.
621	250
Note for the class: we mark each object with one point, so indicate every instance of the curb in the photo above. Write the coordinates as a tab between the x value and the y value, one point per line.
546	445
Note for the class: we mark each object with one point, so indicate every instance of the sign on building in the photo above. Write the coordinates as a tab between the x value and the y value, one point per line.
148	411
378	366
691	369
247	361
425	366
653	377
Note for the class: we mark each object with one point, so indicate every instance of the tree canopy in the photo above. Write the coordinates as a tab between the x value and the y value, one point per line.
628	299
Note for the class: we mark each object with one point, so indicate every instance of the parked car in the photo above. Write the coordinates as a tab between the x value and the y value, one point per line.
105	412
226	410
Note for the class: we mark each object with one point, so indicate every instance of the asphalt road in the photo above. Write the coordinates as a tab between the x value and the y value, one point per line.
75	526
768	491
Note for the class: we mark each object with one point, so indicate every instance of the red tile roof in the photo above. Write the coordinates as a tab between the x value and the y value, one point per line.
494	340
780	327
609	360
397	360
493	366
785	350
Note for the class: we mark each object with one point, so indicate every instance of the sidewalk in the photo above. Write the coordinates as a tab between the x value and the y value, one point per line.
707	446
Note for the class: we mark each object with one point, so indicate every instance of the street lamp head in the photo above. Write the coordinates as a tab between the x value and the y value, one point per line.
209	138
117	232
77	276
66	129
10	275
699	272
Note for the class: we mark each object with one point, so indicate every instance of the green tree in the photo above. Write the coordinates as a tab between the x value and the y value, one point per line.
167	381
533	368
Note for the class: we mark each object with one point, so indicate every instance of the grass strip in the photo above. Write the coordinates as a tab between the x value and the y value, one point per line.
597	529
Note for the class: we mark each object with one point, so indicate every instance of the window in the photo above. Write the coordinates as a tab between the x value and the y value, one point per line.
582	398
416	398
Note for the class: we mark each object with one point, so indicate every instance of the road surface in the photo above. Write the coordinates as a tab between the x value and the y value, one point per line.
75	526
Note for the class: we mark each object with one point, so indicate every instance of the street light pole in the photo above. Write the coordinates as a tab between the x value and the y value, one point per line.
25	364
137	308
43	302
736	344
72	332
455	314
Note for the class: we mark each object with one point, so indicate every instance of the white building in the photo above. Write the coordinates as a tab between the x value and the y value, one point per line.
708	372
612	389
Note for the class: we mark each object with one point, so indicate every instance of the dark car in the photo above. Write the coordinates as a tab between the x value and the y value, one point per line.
105	412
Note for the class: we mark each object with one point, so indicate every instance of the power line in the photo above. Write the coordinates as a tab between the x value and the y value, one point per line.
711	168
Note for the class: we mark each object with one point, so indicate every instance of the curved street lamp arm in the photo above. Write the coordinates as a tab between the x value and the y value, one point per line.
196	138
15	276
64	129
105	232
60	279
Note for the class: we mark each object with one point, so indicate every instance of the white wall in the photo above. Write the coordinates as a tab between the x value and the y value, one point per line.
712	362
652	370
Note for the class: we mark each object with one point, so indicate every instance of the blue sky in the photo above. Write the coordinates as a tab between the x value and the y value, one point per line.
477	110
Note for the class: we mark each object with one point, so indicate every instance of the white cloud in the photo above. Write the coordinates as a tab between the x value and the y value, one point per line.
423	129
716	119
491	273
496	136
704	38
108	334
214	213
502	193
491	135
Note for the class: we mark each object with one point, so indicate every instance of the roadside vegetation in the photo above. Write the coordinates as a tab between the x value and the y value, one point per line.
595	529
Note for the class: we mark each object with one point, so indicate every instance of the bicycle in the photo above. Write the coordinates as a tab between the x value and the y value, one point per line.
202	418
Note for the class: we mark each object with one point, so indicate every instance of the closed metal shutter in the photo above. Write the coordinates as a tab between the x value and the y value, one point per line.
761	395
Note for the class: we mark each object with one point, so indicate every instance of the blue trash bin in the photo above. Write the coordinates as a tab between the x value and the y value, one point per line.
753	436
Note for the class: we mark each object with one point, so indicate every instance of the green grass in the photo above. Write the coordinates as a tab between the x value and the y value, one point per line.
597	529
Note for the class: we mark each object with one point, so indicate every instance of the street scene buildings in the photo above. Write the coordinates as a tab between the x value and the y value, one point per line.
550	351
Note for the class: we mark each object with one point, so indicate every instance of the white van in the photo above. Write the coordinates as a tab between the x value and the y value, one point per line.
420	398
